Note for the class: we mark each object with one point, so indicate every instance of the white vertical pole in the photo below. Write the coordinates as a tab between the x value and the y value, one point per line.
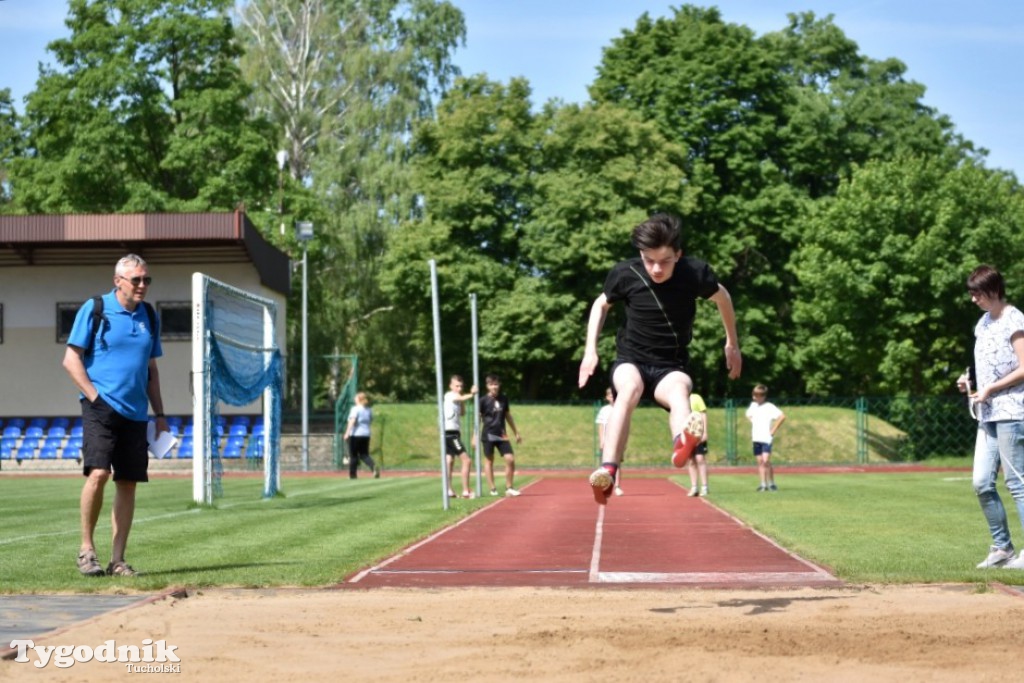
435	304
201	492
271	469
305	360
476	398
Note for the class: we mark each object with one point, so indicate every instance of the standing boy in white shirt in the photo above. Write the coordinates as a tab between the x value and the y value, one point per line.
765	419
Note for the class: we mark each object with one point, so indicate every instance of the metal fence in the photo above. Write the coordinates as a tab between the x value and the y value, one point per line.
831	430
858	429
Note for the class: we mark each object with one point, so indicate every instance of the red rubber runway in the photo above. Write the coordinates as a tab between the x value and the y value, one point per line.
554	534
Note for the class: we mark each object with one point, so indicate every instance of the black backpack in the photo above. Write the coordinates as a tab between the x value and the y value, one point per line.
100	323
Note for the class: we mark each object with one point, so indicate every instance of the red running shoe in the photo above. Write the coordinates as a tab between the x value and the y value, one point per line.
687	441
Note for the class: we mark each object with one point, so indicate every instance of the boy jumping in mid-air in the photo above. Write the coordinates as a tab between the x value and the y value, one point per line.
659	290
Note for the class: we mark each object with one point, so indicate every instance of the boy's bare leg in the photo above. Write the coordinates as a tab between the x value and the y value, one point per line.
629	388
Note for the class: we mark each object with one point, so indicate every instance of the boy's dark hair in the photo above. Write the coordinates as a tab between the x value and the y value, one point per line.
456	377
660	230
988	281
492	378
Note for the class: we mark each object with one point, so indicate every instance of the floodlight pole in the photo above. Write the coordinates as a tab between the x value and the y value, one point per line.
282	159
304	233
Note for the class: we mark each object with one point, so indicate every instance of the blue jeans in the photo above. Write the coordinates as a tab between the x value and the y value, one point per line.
999	443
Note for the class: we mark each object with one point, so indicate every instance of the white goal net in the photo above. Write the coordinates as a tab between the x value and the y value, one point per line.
235	360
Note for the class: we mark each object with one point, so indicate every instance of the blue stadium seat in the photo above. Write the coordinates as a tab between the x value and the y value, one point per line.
12	432
72	451
9	442
76	430
188	430
56	432
233	447
254	449
26	452
48	453
185	447
16	422
60	422
53	442
30	442
6	451
240	420
38	422
34	432
257	429
174	421
239	429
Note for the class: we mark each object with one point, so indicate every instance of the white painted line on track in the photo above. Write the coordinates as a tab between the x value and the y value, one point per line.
595	556
712	577
396	572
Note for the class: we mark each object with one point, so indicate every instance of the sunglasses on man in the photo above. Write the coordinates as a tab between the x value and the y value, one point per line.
136	281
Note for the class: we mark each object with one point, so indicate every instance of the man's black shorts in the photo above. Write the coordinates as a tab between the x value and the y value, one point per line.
112	442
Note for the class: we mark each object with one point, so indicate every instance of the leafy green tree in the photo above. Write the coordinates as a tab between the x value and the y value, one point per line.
145	112
845	108
881	306
769	124
345	80
10	144
527	211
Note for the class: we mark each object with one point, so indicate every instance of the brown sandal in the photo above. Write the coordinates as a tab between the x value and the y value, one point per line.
88	565
121	568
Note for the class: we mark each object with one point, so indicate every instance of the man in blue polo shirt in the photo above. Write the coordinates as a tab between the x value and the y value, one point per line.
112	360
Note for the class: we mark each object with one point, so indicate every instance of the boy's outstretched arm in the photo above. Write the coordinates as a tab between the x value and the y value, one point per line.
598	313
733	357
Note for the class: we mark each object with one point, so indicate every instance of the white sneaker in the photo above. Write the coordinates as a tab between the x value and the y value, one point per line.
693	492
494	492
703	490
996	557
1015	564
451	494
511	493
618	491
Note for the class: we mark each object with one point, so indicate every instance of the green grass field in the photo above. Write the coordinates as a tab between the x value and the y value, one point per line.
889	528
406	436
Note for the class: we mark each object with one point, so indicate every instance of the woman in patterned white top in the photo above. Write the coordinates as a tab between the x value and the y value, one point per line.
999	369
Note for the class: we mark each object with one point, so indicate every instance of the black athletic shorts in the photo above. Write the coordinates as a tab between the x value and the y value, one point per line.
453	443
112	442
491	442
650	375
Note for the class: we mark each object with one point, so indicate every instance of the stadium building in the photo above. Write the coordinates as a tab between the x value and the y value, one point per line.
50	265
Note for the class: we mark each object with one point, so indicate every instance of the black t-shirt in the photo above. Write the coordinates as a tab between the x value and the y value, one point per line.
659	316
492	412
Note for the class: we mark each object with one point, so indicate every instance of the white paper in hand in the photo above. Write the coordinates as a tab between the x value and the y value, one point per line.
159	445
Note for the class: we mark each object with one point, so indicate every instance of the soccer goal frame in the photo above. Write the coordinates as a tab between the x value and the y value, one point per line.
241	325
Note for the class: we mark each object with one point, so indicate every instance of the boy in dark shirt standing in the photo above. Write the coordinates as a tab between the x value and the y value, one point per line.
494	413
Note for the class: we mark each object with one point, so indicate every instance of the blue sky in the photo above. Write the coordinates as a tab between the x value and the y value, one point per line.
968	55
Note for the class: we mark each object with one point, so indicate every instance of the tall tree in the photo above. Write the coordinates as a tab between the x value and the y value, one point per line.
145	112
882	306
527	211
346	80
769	124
